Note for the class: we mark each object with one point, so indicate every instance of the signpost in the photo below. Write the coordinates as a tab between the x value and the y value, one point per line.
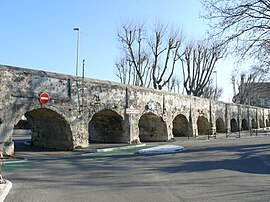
132	111
44	98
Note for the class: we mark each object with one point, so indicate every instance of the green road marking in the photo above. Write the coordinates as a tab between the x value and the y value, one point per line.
11	165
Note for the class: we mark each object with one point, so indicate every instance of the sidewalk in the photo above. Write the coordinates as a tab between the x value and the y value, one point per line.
4	190
108	147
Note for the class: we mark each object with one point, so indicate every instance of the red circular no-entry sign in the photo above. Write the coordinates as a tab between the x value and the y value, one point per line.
44	98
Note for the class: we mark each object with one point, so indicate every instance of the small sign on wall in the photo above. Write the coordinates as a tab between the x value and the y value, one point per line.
164	117
44	98
151	106
132	111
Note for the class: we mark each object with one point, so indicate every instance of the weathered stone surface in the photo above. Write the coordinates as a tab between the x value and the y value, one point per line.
79	113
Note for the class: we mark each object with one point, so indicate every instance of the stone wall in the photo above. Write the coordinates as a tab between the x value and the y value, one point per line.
82	111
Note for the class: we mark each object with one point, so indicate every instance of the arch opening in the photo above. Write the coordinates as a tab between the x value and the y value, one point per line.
48	129
181	126
245	125
254	124
106	126
152	128
220	125
261	123
267	123
203	125
234	125
23	124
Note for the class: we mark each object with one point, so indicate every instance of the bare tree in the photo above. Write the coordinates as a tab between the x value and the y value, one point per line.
261	72
198	63
243	24
170	50
148	61
124	70
212	92
244	83
133	66
173	85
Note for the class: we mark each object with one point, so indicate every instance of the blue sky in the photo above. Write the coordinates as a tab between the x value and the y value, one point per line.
39	34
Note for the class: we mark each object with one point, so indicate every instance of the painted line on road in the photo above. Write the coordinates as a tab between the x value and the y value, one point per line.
14	162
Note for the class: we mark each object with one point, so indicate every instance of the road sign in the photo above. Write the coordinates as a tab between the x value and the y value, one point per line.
164	117
44	98
132	111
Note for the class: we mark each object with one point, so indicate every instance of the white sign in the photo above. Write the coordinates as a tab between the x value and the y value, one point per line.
151	106
132	111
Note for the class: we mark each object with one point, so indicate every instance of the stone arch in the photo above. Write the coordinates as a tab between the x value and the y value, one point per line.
181	126
220	125
254	124
106	126
23	110
244	124
49	129
261	123
152	128
234	125
203	125
23	124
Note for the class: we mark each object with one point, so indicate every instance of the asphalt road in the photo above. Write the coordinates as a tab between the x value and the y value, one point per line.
232	169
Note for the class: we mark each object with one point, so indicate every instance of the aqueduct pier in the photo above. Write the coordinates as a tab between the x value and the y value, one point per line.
82	110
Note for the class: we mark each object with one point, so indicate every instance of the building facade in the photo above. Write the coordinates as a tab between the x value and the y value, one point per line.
254	94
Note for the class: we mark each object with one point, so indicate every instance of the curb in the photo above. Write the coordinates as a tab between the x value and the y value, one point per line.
4	190
109	149
162	149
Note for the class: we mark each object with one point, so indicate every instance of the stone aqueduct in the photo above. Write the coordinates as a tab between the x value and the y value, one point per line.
82	111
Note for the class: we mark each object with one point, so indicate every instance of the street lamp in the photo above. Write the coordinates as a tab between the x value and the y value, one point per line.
78	41
215	96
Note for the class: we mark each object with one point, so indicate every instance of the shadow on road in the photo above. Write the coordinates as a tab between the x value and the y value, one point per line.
243	158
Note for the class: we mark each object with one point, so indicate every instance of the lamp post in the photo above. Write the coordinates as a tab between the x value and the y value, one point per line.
215	96
77	66
78	42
